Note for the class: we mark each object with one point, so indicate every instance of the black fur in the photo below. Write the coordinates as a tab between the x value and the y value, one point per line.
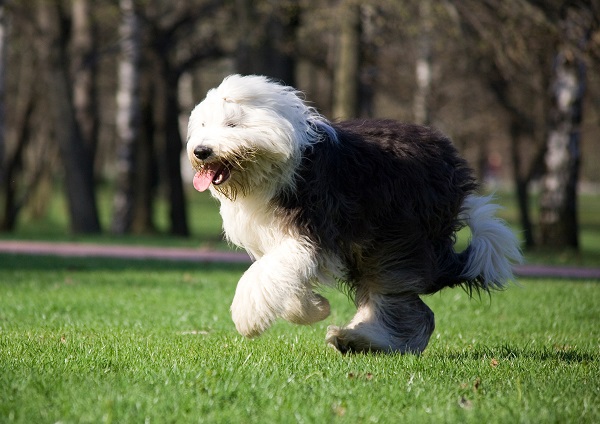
385	197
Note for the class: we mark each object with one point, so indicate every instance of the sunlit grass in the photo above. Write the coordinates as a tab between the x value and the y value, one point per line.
100	340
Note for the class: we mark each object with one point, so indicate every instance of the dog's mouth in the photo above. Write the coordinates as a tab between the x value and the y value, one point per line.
215	173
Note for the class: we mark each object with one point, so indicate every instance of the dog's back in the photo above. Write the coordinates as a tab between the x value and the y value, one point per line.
386	197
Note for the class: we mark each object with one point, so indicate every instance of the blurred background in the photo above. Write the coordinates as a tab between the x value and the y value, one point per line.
95	97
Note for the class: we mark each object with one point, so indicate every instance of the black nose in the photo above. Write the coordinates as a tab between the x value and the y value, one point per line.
202	152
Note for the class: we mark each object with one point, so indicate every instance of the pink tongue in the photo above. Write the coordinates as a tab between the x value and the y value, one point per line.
203	178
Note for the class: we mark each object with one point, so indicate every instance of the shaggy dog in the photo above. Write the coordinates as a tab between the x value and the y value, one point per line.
371	204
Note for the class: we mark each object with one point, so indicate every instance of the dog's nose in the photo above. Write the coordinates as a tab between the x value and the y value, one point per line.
202	152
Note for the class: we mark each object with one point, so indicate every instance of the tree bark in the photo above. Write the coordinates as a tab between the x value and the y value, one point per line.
172	156
270	51
346	72
3	42
84	69
521	183
127	119
13	164
164	39
423	72
76	156
147	168
558	201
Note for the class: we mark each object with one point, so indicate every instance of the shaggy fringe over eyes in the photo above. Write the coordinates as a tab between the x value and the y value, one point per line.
287	103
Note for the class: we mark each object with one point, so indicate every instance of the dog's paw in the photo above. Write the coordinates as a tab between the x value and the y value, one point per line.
335	338
250	319
352	340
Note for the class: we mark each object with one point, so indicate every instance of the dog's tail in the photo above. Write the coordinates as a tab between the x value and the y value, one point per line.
493	249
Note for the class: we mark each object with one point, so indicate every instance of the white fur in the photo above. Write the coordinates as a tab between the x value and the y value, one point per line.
274	120
278	285
494	247
252	112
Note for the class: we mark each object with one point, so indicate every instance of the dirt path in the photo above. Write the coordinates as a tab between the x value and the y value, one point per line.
121	251
208	256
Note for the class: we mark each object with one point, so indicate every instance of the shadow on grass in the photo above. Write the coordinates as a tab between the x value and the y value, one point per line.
18	262
556	353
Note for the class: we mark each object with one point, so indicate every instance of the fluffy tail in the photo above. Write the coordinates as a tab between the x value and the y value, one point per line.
493	248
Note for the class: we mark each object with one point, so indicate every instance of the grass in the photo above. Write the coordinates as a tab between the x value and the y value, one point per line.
51	223
106	340
205	227
101	340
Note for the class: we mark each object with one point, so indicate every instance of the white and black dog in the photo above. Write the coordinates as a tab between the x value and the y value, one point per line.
371	204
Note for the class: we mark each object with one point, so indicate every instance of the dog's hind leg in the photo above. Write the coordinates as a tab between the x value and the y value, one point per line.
388	323
279	284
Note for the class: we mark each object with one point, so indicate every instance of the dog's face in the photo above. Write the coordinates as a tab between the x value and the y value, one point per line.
246	136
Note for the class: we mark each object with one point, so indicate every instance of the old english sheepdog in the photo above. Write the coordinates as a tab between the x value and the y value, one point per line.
369	205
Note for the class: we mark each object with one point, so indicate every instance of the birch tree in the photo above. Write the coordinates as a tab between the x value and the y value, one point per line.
423	71
83	71
558	200
127	119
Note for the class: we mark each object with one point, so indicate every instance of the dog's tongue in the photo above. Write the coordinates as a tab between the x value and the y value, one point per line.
203	178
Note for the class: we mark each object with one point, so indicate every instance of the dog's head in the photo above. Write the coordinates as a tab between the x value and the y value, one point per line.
247	136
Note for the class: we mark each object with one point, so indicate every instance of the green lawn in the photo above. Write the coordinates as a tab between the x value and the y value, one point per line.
85	340
205	227
52	223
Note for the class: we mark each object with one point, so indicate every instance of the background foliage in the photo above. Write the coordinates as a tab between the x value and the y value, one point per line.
97	93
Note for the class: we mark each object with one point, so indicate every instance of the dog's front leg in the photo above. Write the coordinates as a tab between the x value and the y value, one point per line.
278	285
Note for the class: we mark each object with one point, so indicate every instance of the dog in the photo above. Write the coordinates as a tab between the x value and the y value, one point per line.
370	206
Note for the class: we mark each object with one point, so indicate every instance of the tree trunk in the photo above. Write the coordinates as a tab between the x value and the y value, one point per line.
147	167
76	156
3	42
14	163
521	183
173	148
423	70
558	201
83	50
18	181
127	119
521	129
345	79
271	52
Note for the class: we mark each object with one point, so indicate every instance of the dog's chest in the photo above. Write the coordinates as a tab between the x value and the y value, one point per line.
251	226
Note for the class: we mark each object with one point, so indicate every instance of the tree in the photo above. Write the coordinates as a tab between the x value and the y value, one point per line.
267	38
524	70
83	71
23	163
3	41
423	66
346	71
558	200
76	156
128	118
177	49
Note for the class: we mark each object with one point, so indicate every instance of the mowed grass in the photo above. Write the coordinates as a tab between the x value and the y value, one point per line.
51	223
99	340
